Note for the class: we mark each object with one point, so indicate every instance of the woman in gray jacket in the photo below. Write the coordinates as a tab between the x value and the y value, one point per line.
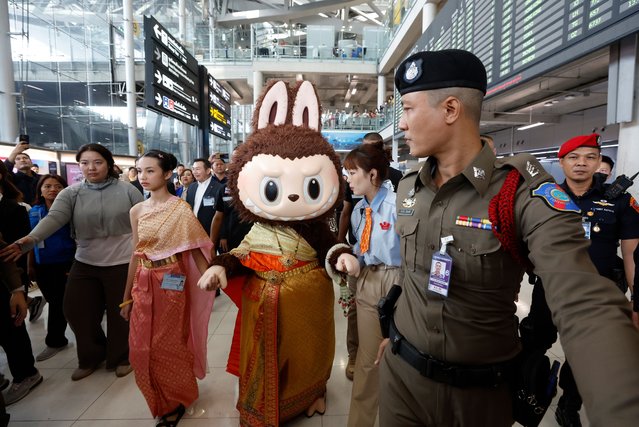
98	211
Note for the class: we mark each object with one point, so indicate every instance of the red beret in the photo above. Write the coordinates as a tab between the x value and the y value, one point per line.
572	144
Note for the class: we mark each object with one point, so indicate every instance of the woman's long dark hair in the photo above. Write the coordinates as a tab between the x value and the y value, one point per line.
7	188
39	199
104	152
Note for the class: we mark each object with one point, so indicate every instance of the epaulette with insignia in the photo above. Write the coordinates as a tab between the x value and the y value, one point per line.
529	168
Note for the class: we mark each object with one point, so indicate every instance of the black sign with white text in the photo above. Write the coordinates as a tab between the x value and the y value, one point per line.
219	109
172	85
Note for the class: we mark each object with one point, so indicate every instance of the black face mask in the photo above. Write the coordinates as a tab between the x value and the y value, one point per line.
599	178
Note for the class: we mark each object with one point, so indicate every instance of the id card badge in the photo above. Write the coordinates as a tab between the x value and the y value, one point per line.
173	282
440	269
208	201
587	226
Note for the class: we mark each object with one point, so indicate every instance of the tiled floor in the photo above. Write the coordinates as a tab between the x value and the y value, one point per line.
102	400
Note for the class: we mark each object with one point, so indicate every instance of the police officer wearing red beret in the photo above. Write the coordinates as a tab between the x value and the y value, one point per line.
606	222
452	339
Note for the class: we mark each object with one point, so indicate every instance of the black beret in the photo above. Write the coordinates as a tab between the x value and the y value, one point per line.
440	69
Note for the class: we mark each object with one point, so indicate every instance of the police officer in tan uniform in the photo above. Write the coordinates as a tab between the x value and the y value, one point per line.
452	339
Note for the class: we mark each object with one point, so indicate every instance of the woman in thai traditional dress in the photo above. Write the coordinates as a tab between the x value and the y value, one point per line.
168	313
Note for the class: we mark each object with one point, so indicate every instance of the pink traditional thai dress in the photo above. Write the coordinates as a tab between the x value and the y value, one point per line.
168	328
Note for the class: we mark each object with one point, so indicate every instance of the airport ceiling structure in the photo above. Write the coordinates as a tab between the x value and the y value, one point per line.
347	17
570	89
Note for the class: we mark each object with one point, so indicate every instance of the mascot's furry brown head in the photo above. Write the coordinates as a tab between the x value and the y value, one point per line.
286	171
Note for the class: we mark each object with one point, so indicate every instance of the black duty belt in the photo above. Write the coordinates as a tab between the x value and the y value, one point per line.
443	372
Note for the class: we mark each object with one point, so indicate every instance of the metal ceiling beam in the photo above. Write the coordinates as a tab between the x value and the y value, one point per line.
286	14
365	16
375	9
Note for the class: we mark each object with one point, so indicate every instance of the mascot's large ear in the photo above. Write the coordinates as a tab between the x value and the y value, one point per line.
273	107
306	108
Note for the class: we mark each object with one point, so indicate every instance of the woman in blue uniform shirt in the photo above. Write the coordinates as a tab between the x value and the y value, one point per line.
53	258
378	251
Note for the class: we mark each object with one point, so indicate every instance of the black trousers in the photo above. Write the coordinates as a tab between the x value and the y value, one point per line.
90	291
52	280
15	342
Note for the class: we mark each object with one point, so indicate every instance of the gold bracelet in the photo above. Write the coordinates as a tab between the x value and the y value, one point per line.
125	303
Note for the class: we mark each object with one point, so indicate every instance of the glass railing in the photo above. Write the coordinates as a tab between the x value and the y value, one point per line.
282	52
394	20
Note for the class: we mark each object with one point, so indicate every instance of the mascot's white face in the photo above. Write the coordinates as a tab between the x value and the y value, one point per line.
291	173
288	190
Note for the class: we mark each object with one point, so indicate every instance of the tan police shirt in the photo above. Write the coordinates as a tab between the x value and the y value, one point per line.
476	323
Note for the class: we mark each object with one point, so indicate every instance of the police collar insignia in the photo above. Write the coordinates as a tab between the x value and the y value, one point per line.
413	71
408	203
479	173
532	170
411	192
555	197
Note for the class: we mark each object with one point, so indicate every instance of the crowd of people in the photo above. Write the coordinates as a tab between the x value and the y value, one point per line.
151	250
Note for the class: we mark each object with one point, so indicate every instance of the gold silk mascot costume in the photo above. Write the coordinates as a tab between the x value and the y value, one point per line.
286	179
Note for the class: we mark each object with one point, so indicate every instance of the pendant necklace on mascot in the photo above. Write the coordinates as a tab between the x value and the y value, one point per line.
288	258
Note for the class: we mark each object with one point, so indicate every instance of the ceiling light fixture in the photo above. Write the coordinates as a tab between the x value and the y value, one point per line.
530	126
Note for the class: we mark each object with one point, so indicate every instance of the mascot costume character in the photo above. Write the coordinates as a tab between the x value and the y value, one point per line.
286	178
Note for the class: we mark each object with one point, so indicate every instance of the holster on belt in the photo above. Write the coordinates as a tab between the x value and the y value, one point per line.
386	307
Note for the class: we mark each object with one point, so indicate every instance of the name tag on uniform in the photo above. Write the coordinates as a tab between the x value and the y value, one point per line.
208	201
587	226
439	279
173	282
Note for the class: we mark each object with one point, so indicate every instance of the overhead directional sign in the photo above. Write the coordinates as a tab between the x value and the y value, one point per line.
219	109
217	87
162	59
172	85
217	101
220	131
168	104
156	31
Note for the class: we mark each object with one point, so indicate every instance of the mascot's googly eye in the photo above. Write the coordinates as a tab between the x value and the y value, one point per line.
306	108
274	106
313	189
270	190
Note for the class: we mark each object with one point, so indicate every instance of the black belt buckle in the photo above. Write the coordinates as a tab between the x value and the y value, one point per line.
441	372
